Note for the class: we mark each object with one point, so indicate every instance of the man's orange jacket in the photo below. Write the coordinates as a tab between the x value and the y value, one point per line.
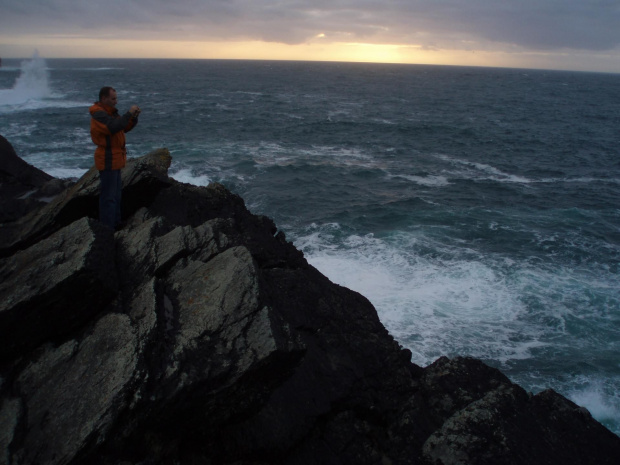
107	129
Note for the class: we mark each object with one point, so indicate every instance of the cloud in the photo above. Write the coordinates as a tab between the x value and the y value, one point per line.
431	24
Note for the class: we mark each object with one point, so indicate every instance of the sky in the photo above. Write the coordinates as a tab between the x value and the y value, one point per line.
550	34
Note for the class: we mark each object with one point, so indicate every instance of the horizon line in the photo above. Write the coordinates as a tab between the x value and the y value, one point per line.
285	60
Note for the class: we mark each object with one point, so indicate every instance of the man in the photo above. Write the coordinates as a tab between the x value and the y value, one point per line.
107	129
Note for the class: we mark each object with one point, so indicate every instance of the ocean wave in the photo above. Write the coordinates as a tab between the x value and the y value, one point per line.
601	396
17	130
189	176
274	154
65	173
439	299
434	306
582	180
598	390
31	84
428	180
484	171
98	69
255	94
384	121
31	91
202	164
11	104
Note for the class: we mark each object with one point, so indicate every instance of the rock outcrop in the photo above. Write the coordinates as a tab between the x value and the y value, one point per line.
23	187
198	335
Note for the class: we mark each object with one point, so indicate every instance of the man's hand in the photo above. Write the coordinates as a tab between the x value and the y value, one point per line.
134	110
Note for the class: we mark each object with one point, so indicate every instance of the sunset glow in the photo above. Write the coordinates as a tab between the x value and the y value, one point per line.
551	35
74	47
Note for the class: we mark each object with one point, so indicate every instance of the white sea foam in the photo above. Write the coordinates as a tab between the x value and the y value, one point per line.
255	94
98	69
55	101
484	171
589	180
430	180
186	175
344	111
17	130
383	121
60	161
458	302
582	180
599	392
434	306
273	154
601	399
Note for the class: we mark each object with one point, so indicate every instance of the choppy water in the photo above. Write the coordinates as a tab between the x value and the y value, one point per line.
476	208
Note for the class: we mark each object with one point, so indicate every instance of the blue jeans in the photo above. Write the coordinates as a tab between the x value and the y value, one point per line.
110	197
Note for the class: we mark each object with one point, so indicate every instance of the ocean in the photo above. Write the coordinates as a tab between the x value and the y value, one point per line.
476	208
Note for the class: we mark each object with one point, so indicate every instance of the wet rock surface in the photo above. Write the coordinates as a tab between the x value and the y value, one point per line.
198	335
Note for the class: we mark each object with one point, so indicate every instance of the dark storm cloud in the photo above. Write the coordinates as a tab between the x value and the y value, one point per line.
529	24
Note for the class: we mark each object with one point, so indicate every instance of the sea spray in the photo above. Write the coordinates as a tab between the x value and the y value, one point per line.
32	83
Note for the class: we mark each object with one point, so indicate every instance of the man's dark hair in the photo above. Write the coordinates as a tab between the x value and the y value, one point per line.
105	92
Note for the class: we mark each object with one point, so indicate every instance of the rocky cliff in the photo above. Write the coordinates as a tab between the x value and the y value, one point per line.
197	334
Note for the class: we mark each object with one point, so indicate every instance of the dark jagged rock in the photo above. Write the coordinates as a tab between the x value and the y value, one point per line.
142	179
55	286
23	187
16	171
198	335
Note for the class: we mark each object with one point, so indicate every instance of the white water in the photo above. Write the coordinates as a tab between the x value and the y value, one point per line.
31	85
438	305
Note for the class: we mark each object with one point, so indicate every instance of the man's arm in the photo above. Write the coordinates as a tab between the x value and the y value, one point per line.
113	124
134	111
133	122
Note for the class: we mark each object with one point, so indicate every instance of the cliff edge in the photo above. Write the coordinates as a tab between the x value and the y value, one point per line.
197	334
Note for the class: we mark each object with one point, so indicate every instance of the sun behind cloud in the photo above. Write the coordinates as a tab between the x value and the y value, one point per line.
316	50
320	48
